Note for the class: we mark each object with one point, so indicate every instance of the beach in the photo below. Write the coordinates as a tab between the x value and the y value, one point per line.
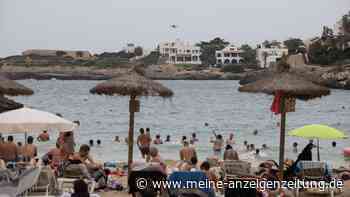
194	103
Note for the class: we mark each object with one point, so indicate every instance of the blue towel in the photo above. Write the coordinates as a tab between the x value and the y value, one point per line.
186	177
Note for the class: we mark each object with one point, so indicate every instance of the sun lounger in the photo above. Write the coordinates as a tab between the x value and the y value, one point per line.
313	170
22	185
235	168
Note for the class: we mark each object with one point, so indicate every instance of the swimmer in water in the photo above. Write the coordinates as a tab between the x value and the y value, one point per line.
157	140
334	144
295	147
245	143
206	124
91	143
98	143
264	147
116	139
257	153
252	147
184	138
167	139
193	138
255	132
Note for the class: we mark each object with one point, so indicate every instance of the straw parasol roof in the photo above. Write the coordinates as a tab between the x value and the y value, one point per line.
7	104
12	88
290	84
132	84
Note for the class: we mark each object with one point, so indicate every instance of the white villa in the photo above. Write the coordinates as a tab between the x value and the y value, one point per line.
179	52
267	56
229	55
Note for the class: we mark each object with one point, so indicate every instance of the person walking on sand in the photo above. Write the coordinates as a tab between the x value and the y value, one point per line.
143	142
187	152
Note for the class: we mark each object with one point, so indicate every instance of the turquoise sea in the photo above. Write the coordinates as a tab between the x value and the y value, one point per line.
195	102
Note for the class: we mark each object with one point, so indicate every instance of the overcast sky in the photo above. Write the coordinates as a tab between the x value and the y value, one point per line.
107	25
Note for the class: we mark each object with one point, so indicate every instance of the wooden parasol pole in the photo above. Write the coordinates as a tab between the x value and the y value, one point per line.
131	131
318	149
282	135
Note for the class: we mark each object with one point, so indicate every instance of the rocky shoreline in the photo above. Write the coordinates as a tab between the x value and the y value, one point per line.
337	77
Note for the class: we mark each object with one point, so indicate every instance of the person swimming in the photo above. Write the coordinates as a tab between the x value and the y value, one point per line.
116	139
295	147
167	139
257	152
252	147
255	132
91	143
157	140
193	138
264	147
183	139
334	144
98	142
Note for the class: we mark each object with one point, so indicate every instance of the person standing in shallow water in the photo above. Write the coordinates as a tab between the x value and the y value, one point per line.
217	145
143	142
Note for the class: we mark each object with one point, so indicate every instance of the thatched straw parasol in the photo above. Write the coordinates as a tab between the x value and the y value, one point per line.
7	104
12	88
133	85
290	85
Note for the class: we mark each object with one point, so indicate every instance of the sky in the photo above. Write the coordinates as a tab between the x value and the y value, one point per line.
107	25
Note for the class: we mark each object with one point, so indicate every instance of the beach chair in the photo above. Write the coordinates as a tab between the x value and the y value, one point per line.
313	171
46	183
193	177
236	168
73	172
22	185
238	171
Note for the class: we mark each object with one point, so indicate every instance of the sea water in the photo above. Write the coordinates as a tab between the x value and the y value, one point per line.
195	102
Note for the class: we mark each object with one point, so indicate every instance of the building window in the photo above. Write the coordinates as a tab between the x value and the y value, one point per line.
226	55
219	62
227	61
195	58
218	55
180	59
234	61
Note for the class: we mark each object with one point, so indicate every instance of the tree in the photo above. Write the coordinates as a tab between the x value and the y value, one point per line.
138	51
293	45
249	54
208	49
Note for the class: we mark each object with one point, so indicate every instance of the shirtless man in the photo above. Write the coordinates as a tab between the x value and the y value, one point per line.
143	142
29	150
217	145
10	152
187	152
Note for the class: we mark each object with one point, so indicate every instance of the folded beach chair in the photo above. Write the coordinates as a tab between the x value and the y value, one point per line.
238	171
22	185
47	183
236	168
188	184
312	170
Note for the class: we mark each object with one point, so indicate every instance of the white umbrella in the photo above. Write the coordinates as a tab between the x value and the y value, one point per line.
25	120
